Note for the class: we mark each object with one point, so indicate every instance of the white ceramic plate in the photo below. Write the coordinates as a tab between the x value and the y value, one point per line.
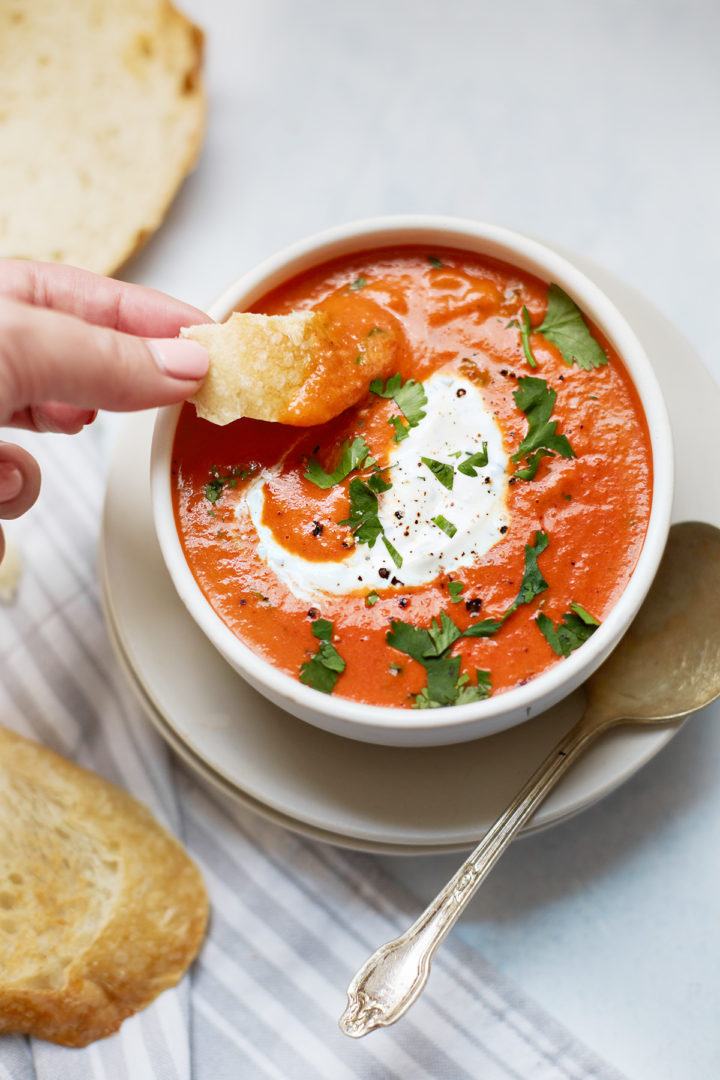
377	798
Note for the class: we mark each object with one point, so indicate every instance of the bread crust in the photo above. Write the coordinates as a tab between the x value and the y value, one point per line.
86	940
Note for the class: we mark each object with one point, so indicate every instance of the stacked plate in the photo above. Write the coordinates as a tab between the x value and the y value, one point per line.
374	798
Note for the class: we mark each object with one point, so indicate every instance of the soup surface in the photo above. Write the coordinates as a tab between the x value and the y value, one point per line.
463	527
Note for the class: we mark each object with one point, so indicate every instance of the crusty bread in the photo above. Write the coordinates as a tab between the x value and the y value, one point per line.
257	363
101	117
301	369
100	908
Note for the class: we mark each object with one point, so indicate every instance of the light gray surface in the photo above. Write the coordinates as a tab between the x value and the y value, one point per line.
594	125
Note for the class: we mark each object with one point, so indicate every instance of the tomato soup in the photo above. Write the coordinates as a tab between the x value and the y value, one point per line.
463	527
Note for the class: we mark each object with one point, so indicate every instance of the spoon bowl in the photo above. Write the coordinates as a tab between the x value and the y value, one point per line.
666	666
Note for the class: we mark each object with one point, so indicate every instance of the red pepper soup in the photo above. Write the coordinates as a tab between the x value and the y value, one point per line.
463	527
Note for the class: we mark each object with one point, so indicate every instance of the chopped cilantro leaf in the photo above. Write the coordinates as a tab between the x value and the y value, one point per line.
444	472
410	639
455	588
533	583
565	327
576	627
434	261
358	283
401	430
525	331
586	617
352	457
371	599
484	628
376	482
323	670
363	521
447	526
537	400
474	461
215	487
533	464
408	396
392	552
444	633
442	682
322	628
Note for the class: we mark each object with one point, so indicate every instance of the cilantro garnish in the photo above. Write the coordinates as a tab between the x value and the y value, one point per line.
364	522
447	526
431	647
576	627
455	588
565	327
323	670
444	473
445	685
474	461
533	583
376	482
371	599
392	552
537	400
215	487
434	261
525	332
358	283
408	396
352	457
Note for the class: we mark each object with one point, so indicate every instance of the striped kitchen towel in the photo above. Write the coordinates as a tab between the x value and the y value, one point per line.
291	919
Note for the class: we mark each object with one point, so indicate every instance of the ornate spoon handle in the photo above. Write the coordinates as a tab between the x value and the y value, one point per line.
392	978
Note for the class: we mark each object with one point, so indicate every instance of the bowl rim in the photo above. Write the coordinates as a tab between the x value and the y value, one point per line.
376	723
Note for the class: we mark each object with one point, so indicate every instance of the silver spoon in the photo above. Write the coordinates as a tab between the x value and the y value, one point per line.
667	665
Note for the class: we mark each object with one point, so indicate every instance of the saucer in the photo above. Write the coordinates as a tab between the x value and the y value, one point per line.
374	798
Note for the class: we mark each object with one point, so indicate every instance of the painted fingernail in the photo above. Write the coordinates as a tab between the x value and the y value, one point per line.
180	359
11	481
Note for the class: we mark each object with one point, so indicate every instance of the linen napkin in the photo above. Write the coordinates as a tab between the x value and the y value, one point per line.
292	918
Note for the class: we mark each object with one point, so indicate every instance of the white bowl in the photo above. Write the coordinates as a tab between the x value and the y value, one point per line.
448	724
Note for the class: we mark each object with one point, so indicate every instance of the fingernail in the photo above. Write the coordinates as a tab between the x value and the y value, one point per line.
11	481
180	359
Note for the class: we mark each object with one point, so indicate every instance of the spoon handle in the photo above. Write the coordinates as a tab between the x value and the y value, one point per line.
392	978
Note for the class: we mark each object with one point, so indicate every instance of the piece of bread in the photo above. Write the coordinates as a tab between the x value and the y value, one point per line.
301	369
101	116
100	908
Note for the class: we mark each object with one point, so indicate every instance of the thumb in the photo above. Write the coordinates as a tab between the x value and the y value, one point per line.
52	356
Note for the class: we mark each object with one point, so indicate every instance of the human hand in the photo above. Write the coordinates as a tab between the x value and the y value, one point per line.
71	343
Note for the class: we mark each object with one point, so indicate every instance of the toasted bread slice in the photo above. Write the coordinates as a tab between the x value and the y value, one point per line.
301	369
102	117
100	908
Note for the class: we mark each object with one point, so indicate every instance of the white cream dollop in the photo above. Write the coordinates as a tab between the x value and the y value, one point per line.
456	419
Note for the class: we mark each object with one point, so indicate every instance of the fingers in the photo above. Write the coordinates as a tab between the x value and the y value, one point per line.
131	309
53	416
19	481
49	356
